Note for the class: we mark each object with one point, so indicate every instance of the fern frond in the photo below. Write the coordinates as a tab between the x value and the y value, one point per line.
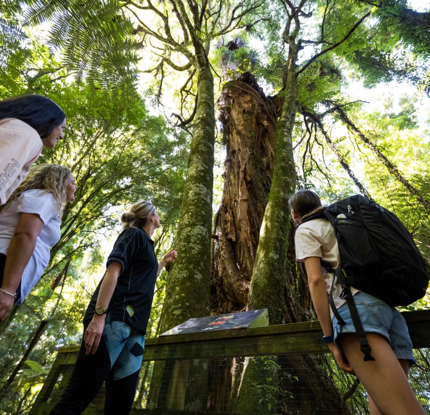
94	37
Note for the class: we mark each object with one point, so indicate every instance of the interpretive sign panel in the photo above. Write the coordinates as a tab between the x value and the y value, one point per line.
245	319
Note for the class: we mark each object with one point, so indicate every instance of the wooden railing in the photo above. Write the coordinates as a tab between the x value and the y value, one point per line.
288	339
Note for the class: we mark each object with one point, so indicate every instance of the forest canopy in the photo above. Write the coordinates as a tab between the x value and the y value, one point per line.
216	111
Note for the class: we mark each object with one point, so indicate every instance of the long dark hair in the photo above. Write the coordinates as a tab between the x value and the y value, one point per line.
304	202
37	111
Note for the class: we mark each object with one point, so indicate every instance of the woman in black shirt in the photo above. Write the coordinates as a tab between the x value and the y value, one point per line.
116	319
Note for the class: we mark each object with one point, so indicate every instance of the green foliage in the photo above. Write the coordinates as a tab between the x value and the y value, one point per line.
236	57
396	48
118	154
319	83
94	36
409	151
35	367
410	26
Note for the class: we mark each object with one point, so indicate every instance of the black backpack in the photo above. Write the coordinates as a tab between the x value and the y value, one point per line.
378	256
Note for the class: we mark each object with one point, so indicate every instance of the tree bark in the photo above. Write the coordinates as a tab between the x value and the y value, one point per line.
268	278
187	293
188	288
247	116
249	125
274	283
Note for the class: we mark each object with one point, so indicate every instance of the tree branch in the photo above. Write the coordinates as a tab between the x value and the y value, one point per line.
314	58
235	18
324	17
342	160
173	65
181	22
168	39
183	123
388	164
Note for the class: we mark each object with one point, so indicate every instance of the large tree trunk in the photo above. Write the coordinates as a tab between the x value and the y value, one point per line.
277	286
249	125
269	271
187	293
249	120
268	277
188	288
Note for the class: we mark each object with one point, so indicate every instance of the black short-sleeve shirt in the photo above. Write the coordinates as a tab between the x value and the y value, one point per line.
132	299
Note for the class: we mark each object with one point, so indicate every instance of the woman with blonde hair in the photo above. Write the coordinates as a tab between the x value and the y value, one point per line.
29	227
116	319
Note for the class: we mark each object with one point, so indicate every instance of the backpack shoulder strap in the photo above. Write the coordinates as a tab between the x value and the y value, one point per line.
347	295
318	215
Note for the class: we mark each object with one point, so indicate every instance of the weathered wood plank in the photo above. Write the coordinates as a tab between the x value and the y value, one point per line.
270	340
43	409
274	344
263	341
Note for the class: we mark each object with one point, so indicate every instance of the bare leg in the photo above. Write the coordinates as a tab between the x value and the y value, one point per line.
372	407
384	379
373	410
405	366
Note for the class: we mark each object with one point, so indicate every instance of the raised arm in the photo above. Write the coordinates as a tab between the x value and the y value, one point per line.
169	257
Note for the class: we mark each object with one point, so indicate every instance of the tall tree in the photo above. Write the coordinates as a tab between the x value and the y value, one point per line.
271	260
249	122
180	34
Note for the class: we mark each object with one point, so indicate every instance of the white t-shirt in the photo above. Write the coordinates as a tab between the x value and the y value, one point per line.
316	238
20	146
42	203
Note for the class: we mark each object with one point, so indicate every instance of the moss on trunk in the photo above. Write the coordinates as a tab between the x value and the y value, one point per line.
188	291
188	288
268	278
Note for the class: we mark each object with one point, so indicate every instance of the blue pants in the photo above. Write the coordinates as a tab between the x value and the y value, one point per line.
117	361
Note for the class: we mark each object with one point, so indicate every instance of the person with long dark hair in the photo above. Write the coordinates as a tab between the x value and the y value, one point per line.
385	378
116	319
29	227
27	123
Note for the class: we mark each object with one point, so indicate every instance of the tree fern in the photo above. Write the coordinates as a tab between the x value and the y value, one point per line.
94	37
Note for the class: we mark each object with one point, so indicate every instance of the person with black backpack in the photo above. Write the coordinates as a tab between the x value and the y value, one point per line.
350	252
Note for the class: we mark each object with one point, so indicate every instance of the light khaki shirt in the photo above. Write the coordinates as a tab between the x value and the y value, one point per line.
316	238
20	147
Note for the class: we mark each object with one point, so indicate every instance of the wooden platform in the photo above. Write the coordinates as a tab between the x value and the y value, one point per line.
288	339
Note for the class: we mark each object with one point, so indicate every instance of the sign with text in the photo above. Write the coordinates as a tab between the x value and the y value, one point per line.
245	319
